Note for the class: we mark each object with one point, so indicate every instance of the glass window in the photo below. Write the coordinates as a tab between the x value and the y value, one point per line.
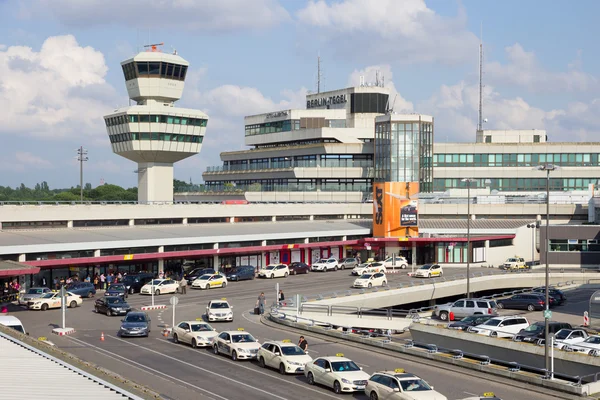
170	68
154	68
142	68
163	69
183	72
133	118
144	118
177	72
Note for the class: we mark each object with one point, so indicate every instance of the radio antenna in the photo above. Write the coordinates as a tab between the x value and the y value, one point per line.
480	119
319	74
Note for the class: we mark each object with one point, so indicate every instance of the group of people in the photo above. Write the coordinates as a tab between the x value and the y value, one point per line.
10	290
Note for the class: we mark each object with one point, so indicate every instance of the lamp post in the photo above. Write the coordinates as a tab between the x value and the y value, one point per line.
548	168
533	227
468	182
81	157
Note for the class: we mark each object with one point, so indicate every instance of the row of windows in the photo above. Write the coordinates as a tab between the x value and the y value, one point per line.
163	137
292	185
574	245
517	184
292	125
154	69
515	160
308	161
159	119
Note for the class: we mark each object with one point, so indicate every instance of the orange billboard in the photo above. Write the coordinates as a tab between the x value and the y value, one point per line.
395	209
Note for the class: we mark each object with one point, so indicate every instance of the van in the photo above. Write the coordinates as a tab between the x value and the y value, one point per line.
240	273
12	322
134	282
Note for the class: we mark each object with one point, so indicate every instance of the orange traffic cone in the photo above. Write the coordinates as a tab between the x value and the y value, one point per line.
165	333
102	337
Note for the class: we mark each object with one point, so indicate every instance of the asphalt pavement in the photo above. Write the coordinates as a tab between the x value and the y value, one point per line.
179	372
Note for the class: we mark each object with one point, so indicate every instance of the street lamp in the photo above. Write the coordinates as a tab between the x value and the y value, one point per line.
468	182
533	226
548	168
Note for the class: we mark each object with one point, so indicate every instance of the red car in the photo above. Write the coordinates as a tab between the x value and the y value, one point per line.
298	268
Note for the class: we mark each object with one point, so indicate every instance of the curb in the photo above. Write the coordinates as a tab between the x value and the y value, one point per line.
63	332
151	308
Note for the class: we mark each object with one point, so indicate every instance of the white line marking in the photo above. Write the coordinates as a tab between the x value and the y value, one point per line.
246	318
364	365
305	387
199	368
471	394
142	367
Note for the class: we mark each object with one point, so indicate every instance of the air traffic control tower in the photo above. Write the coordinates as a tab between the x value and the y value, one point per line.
154	133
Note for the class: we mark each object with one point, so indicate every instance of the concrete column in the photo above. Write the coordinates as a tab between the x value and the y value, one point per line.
263	243
306	240
22	258
273	219
0	226
161	262
96	253
184	221
216	258
311	218
487	249
345	216
232	220
344	238
131	222
414	255
69	224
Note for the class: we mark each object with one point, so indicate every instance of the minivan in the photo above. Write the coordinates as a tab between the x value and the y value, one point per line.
12	322
134	282
240	273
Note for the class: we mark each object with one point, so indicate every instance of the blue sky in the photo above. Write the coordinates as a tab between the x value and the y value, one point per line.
60	72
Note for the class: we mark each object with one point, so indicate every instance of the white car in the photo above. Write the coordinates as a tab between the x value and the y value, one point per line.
348	263
568	337
33	293
395	262
590	346
399	385
54	300
429	271
284	356
209	281
196	333
274	271
239	345
219	310
339	373
160	286
325	264
368	268
501	326
370	280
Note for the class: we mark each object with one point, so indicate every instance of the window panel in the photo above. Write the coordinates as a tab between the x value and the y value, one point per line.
142	68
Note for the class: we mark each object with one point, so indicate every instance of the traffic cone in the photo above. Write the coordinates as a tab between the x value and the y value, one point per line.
102	337
165	333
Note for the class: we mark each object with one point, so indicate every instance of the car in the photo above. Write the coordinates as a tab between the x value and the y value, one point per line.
465	307
160	286
33	293
54	300
514	263
219	310
115	305
557	294
501	326
239	345
429	271
209	281
196	273
339	373
590	345
240	273
284	356
368	268
83	289
394	262
370	280
135	282
298	268
117	290
135	323
195	333
274	271
348	263
400	385
524	301
12	322
567	337
325	264
485	396
536	331
472	320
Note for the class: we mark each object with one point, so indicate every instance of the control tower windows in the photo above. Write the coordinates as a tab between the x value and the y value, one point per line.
129	71
163	137
143	69
154	68
164	119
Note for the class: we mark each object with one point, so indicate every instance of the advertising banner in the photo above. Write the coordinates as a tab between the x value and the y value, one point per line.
395	209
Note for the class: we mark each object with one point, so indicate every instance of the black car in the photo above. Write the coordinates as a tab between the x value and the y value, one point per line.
298	268
196	272
136	323
557	294
116	290
536	331
84	289
526	301
240	273
112	306
471	320
134	282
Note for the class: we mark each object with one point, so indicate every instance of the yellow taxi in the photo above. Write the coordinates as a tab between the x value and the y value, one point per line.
210	281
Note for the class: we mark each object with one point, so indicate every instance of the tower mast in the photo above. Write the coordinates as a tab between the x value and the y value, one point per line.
480	116
318	74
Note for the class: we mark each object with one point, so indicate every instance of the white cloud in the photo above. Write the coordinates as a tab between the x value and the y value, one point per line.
58	91
195	15
397	102
407	31
523	69
31	160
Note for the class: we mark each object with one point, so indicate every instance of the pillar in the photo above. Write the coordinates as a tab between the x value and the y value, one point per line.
161	262
184	221
69	224
96	253
273	219
216	258
311	218
414	255
232	220
22	258
131	222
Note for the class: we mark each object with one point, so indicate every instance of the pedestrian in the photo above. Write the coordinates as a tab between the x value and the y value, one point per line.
358	258
109	279
43	281
183	286
103	281
280	297
303	344
96	281
56	283
261	302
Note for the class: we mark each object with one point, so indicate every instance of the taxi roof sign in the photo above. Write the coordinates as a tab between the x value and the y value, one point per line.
399	370
339	355
489	394
240	329
199	319
286	341
223	298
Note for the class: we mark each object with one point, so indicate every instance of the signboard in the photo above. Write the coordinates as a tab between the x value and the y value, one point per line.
274	257
174	300
547	314
395	209
128	257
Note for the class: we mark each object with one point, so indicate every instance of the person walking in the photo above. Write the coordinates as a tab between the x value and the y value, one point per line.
280	297
303	344
261	302
183	286
103	281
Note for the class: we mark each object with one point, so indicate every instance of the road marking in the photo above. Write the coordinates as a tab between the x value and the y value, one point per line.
249	320
471	394
248	368
142	367
199	368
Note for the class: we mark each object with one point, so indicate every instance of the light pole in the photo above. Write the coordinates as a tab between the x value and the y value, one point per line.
548	168
468	182
81	157
533	227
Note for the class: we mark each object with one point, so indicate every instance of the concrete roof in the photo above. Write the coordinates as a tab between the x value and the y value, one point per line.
72	239
497	226
13	268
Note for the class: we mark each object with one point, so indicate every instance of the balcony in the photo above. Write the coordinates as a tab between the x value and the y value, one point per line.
288	165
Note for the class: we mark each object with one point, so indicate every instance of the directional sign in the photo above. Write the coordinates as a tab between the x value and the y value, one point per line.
547	314
174	300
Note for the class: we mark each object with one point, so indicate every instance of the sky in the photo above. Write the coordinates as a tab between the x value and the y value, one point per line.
60	70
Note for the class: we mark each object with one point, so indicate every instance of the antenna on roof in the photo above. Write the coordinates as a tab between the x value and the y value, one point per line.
361	80
388	109
480	117
318	74
153	47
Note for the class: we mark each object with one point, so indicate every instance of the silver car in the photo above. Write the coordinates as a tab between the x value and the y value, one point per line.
33	293
348	263
465	307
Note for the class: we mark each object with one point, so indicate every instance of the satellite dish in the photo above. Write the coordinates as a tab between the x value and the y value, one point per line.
485	120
